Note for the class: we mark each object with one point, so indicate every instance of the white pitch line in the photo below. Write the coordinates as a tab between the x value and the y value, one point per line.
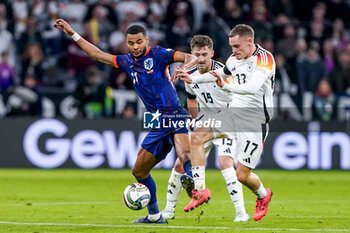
182	217
171	227
179	202
60	203
311	216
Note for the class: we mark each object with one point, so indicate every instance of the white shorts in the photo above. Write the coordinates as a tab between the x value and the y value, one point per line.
251	135
226	147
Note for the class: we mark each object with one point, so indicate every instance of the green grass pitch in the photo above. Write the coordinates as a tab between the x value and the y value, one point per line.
64	200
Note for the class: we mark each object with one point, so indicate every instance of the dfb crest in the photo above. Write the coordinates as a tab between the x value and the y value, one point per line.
250	66
148	63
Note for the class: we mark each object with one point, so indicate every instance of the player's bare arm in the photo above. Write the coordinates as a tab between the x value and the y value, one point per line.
182	75
203	78
90	49
188	60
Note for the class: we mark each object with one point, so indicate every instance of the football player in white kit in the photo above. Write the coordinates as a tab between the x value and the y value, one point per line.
253	69
211	99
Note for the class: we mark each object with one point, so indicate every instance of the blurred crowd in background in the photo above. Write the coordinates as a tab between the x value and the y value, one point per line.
44	73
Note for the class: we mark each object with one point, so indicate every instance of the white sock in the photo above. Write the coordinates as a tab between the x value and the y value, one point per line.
154	217
174	190
261	192
198	174
234	188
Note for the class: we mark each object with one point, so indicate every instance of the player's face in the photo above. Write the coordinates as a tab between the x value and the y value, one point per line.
241	46
204	55
137	44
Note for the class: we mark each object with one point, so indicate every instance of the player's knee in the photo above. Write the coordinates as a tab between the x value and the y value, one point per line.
225	162
242	177
183	156
179	167
224	166
196	139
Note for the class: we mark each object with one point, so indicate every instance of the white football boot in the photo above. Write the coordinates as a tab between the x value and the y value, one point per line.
167	214
241	217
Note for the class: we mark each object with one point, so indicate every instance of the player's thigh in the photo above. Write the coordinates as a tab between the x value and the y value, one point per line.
144	163
201	135
203	130
227	125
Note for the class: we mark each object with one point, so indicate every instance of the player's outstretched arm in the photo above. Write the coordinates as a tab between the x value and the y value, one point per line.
249	88
209	76
90	49
182	75
188	60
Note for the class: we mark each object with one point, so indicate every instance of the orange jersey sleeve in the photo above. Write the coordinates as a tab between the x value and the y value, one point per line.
115	61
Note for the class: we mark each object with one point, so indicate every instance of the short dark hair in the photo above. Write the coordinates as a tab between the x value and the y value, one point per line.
135	29
201	41
242	30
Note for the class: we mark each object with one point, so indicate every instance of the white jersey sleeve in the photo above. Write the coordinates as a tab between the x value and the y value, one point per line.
254	82
203	78
189	89
209	95
207	77
264	69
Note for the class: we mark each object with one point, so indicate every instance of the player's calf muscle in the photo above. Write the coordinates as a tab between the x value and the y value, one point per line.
138	173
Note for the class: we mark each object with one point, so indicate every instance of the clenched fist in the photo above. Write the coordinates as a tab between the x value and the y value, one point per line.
64	26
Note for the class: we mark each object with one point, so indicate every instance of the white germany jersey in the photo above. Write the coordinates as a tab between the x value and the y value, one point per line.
209	95
249	96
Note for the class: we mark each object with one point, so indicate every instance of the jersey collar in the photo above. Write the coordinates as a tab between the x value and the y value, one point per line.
258	48
212	65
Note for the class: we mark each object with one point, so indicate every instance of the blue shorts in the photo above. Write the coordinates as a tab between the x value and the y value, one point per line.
160	141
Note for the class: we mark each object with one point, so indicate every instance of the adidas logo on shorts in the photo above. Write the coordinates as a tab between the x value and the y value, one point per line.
227	150
247	160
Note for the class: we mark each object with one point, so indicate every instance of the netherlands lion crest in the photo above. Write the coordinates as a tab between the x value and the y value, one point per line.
148	63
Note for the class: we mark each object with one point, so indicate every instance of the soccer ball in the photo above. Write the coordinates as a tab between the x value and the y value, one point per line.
136	196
